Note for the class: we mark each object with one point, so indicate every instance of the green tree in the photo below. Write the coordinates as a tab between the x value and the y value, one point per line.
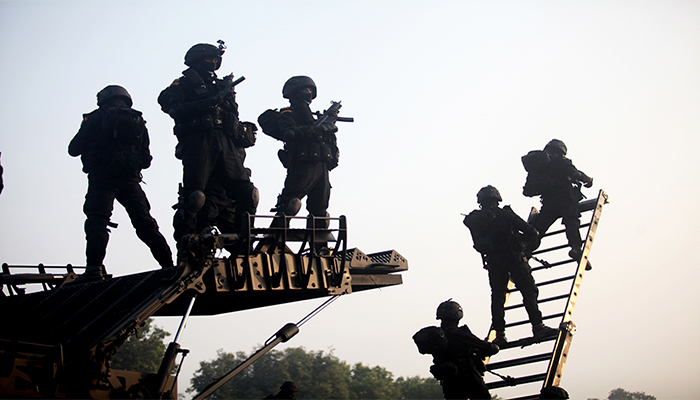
372	383
142	351
318	375
622	394
418	388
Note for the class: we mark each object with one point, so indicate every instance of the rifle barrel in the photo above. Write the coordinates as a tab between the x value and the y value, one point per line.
237	81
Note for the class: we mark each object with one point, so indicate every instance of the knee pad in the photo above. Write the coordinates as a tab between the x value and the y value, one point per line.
293	206
255	196
195	201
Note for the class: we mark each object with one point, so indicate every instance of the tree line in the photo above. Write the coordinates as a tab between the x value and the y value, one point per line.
317	374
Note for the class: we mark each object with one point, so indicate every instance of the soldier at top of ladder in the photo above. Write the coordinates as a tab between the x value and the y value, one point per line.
558	182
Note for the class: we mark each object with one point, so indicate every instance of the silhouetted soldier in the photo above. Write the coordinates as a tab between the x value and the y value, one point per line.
499	236
211	140
287	391
310	153
464	351
114	147
560	193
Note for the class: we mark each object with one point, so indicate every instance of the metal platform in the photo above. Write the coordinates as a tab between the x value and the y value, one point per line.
79	327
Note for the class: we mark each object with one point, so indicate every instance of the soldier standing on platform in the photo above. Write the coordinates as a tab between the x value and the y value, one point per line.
211	139
114	147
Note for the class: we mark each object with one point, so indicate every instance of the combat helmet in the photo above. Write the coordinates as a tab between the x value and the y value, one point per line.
556	144
296	83
488	192
449	310
112	91
205	50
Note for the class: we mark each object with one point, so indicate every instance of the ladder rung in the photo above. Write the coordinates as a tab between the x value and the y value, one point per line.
588	205
552	233
527	321
553	281
526	342
552	265
519	361
516	381
554	298
563	246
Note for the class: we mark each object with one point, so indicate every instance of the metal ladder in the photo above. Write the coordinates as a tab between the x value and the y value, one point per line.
558	280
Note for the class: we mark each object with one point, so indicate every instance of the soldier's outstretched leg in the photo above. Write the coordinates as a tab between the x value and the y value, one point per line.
137	207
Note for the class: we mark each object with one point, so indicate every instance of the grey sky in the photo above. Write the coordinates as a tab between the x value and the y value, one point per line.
446	96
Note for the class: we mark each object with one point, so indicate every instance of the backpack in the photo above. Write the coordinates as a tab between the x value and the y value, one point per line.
268	121
537	181
535	161
430	340
123	126
119	146
479	223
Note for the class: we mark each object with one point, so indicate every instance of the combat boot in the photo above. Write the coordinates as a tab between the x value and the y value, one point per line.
542	331
500	340
576	255
93	273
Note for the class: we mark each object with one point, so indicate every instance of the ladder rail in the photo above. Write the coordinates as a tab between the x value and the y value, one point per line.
556	365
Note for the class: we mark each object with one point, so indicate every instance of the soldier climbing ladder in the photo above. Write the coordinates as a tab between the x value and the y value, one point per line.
520	362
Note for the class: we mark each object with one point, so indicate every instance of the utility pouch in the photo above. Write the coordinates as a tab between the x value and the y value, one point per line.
302	152
201	122
314	151
284	157
330	155
444	370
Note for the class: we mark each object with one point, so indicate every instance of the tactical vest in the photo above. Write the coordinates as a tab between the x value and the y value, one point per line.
221	116
116	149
306	151
493	233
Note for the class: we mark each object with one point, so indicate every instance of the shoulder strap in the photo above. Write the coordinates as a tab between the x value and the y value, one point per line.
198	85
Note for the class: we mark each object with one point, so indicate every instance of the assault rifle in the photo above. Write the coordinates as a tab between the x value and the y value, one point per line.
228	84
330	116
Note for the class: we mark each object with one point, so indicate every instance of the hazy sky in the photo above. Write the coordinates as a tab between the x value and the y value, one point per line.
446	96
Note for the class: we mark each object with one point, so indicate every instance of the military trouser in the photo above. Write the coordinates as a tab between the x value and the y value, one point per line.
502	270
218	210
99	203
467	384
207	154
306	180
553	209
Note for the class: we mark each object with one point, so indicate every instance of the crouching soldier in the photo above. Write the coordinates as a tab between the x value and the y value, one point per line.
457	354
